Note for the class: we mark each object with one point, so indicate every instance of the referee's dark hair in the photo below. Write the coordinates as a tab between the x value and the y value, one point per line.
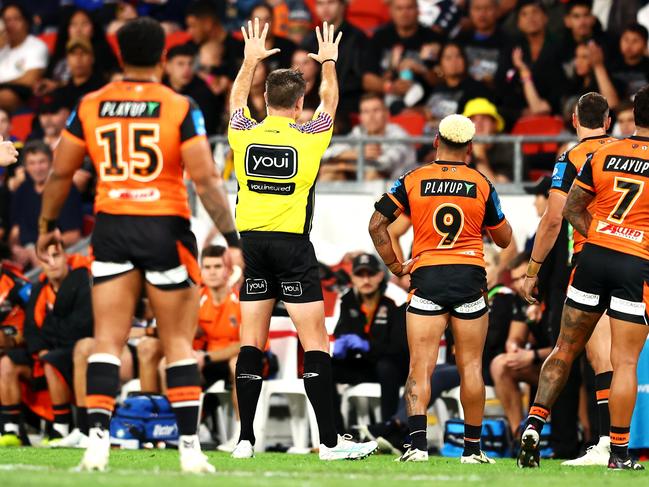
592	110
141	42
284	87
641	107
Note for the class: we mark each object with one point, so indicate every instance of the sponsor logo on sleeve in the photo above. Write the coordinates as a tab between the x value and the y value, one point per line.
448	187
129	109
620	232
557	174
292	288
256	286
276	162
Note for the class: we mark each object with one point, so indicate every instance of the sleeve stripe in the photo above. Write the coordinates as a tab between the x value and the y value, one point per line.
240	122
585	186
396	201
321	124
558	191
192	140
502	222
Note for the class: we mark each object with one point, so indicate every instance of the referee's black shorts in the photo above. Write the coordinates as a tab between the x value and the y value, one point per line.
279	266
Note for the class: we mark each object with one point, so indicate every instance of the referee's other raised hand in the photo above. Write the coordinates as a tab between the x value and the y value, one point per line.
327	46
255	42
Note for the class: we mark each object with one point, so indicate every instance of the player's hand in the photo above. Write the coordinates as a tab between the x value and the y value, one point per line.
327	46
400	269
529	287
8	152
255	42
45	243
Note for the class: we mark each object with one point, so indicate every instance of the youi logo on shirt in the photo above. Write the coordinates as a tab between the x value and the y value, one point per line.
269	161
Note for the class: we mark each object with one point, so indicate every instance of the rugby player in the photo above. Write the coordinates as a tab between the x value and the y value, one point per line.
277	162
449	205
140	136
591	120
609	205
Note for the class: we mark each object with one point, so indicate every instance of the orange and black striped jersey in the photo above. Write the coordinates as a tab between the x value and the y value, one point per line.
568	166
618	176
449	204
134	132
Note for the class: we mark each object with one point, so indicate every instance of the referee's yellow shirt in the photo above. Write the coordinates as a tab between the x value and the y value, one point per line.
276	163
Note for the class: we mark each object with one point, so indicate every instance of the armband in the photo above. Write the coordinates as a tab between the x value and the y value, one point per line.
533	268
386	207
332	60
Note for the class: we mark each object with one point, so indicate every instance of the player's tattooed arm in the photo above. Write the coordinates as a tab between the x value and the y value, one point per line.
576	209
383	243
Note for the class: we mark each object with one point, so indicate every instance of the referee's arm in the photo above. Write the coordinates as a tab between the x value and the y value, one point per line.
327	56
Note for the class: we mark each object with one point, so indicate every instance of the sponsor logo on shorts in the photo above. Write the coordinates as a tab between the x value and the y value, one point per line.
249	376
266	161
310	375
129	109
145	194
418	302
293	288
164	430
256	286
473	307
629	307
621	232
264	187
582	297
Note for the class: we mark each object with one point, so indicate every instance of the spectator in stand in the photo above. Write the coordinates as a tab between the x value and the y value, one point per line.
624	120
529	79
349	67
632	70
292	19
59	313
264	12
84	78
483	43
402	54
52	115
310	70
494	160
370	336
383	160
26	206
180	77
79	24
23	57
455	87
216	75
590	74
256	97
204	25
124	12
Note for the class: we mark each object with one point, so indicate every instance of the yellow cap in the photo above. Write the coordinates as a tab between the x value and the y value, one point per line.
482	106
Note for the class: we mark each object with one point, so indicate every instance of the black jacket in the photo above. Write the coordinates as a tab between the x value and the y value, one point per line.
387	335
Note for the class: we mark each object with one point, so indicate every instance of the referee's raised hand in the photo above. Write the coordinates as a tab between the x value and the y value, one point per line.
327	46
255	42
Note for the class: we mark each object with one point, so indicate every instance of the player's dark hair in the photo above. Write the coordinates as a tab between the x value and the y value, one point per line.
203	9
284	87
592	110
639	29
141	42
641	107
36	146
451	144
213	251
188	49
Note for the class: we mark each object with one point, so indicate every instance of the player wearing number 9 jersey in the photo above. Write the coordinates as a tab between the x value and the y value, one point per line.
449	204
141	137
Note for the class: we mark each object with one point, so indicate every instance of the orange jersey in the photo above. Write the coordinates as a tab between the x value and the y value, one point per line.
219	322
134	132
618	176
568	166
15	290
449	204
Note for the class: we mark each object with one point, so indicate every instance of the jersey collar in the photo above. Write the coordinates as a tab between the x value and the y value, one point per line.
450	163
638	137
594	137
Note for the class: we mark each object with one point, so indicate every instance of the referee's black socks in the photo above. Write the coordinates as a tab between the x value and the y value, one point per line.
248	383
317	383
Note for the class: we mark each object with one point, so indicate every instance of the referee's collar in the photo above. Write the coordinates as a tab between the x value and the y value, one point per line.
279	118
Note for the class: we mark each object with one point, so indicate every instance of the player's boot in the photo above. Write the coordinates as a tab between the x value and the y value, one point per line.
618	463
389	436
481	458
529	456
192	459
96	455
244	449
595	455
10	439
413	455
76	439
346	449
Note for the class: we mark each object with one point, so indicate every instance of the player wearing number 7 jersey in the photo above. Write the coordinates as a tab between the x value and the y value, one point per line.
141	137
449	204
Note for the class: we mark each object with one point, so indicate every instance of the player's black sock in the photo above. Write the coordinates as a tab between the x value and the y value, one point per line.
417	425
620	441
603	386
184	394
103	386
248	382
472	436
82	419
317	383
62	419
537	417
10	418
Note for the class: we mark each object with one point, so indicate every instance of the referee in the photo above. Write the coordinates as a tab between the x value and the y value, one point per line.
277	162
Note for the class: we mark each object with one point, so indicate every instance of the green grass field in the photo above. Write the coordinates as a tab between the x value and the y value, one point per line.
155	468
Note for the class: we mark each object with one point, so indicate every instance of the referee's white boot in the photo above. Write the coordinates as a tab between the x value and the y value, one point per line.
96	455
595	455
192	459
244	449
346	449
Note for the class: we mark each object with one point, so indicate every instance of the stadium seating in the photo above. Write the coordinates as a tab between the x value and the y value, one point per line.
368	14
21	125
539	125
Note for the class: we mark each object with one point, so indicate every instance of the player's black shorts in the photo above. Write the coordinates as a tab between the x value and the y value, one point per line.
611	281
163	247
60	359
279	266
458	289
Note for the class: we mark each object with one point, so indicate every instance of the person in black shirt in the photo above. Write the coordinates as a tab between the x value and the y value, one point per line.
632	70
349	67
283	58
310	70
180	77
80	59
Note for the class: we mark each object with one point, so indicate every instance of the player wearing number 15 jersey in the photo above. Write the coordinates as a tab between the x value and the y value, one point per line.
449	204
141	137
